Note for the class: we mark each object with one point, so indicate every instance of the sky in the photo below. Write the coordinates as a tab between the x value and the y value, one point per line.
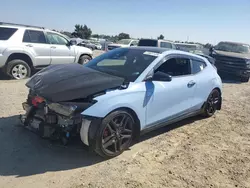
205	21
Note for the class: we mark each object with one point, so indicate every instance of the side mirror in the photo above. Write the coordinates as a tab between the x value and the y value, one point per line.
72	42
159	76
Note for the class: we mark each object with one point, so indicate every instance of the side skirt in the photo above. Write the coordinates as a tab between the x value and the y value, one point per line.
170	121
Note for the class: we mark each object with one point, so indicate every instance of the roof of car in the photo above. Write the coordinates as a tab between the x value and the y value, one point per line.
239	43
151	49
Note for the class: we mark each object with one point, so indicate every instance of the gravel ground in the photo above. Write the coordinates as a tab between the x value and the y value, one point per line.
197	152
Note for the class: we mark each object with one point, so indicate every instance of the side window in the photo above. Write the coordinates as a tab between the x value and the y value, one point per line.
176	67
165	45
26	36
33	36
174	47
6	33
197	66
134	43
56	39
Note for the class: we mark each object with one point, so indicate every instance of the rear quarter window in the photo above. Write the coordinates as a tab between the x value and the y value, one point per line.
6	33
33	36
198	66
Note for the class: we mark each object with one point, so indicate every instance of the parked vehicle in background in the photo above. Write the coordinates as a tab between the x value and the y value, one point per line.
209	58
25	48
97	44
232	58
195	49
191	48
123	43
157	43
87	44
121	94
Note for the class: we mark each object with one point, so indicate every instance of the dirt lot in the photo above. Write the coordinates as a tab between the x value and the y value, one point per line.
196	152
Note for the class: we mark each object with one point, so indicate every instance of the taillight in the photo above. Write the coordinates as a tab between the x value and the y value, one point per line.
37	100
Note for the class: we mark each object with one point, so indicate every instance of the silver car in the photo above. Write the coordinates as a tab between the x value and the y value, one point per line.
26	48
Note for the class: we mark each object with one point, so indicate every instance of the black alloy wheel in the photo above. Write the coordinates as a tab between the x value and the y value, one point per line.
116	134
212	103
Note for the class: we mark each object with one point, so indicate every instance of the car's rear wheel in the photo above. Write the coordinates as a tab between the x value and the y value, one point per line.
115	134
18	69
212	103
84	59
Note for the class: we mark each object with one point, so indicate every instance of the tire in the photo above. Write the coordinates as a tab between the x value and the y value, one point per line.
244	79
212	103
84	59
18	69
108	142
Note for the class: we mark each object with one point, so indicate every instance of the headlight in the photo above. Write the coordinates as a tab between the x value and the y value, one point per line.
65	110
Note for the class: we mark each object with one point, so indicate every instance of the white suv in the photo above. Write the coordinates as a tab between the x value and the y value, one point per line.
26	48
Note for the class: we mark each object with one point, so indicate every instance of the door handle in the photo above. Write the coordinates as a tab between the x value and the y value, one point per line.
53	47
29	45
191	83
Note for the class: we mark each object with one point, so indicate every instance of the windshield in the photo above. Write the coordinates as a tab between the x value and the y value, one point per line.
124	41
123	62
232	47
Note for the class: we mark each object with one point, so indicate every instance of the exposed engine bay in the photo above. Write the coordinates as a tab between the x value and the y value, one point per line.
57	97
52	120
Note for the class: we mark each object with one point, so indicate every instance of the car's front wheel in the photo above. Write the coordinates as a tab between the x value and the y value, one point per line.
212	103
84	59
115	134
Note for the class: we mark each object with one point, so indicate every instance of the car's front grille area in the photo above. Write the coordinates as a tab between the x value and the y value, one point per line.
231	62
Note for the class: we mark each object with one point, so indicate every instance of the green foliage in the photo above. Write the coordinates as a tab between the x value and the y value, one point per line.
123	36
82	31
161	37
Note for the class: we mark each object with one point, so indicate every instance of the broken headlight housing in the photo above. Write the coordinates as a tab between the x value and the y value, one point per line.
66	110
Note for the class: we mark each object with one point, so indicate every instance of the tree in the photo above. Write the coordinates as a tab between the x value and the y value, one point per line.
123	36
161	37
82	31
96	36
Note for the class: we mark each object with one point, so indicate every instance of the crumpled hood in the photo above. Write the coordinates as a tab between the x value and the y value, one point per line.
232	54
71	81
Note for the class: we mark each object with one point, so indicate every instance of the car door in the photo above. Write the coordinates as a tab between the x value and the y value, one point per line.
204	79
169	100
61	51
35	43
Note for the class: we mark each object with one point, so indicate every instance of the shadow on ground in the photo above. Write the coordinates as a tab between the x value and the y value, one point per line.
170	127
3	76
23	153
230	79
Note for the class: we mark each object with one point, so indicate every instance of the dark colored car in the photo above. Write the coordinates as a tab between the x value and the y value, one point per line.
87	44
232	58
157	43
